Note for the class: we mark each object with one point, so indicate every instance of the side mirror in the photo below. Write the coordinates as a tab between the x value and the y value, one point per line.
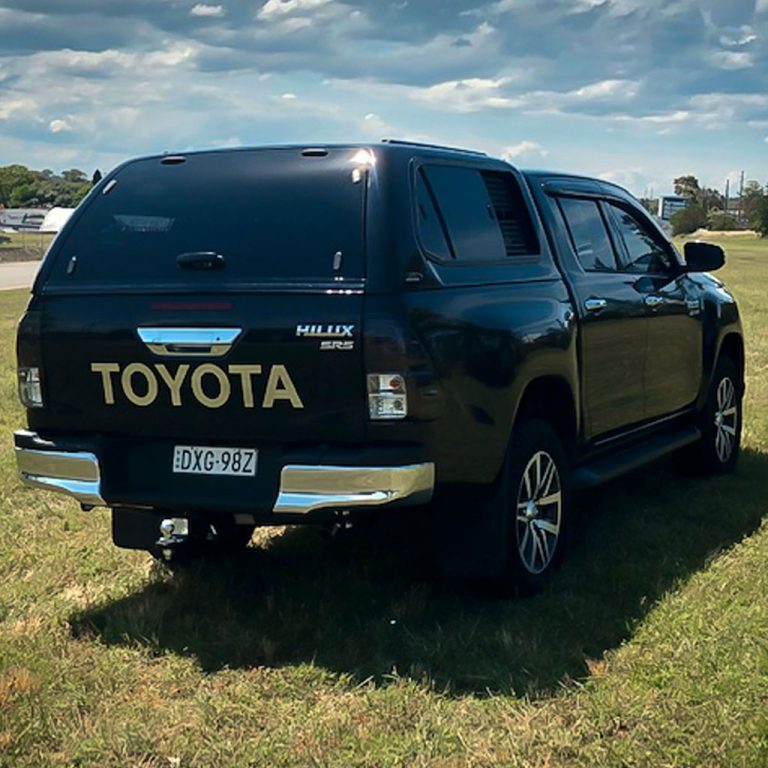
703	257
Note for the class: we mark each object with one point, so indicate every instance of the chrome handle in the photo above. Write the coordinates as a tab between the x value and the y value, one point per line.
190	342
653	301
595	305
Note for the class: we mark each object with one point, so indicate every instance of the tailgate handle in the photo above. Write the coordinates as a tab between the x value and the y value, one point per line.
201	260
189	342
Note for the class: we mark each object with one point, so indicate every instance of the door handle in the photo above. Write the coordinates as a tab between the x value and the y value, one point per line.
201	260
189	342
595	305
653	301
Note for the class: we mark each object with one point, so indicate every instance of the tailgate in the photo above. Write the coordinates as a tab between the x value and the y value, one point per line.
246	369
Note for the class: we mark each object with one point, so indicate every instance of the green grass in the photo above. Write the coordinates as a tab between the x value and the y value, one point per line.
649	649
23	246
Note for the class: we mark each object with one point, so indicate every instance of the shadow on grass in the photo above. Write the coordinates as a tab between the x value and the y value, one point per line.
363	605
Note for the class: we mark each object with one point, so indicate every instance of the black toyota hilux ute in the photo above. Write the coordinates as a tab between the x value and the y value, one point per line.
285	335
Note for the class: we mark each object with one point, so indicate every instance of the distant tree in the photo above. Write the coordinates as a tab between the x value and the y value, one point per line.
74	175
651	204
710	199
688	220
11	177
721	221
750	201
760	220
687	186
96	177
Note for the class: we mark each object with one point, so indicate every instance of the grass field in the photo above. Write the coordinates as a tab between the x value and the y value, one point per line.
23	246
649	649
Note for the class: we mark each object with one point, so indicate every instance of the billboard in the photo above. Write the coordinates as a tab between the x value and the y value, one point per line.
671	204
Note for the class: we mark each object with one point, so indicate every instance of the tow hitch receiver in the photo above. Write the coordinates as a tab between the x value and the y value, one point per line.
174	531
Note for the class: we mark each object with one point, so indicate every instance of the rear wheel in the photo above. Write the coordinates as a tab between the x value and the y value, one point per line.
537	506
720	423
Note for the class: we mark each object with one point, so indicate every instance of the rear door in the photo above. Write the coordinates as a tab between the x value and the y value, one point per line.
613	328
214	297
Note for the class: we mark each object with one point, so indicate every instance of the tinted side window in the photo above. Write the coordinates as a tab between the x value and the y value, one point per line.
430	227
644	251
468	213
588	234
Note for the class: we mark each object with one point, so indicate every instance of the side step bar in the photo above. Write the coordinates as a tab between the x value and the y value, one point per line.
610	466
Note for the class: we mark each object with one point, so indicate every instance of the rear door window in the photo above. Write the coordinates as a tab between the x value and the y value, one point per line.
588	234
273	215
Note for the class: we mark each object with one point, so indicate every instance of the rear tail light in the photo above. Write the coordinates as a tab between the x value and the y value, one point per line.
29	357
30	390
387	396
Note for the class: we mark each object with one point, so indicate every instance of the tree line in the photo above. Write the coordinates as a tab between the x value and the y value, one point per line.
710	209
21	187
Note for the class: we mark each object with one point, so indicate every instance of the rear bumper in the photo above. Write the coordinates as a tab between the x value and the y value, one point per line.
302	489
76	473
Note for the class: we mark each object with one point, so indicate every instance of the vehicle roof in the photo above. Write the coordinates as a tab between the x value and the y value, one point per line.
384	147
539	174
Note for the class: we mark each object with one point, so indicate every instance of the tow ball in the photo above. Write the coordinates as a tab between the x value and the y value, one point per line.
174	532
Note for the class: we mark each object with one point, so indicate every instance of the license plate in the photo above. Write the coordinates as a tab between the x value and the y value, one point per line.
201	460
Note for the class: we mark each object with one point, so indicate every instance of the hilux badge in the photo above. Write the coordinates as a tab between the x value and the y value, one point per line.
339	336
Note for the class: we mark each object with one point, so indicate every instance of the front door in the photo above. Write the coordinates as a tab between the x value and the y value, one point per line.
673	307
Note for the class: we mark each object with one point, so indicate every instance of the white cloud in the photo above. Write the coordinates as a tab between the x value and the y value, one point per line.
373	125
607	89
468	95
743	36
523	149
288	96
273	9
201	9
59	125
23	106
732	59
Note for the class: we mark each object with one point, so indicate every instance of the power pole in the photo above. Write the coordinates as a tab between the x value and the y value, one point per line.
741	199
727	193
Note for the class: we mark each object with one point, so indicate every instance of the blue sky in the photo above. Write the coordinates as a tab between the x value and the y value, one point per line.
637	91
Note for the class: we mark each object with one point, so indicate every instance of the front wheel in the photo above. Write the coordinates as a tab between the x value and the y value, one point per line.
537	506
720	422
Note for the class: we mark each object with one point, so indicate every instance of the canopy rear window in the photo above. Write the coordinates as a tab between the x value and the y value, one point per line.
266	215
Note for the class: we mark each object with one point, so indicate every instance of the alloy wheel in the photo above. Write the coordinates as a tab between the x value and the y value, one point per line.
726	419
538	512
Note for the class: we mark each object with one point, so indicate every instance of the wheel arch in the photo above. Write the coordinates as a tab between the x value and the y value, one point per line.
552	399
732	347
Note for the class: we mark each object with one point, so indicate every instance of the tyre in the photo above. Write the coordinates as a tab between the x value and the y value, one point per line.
538	497
718	450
